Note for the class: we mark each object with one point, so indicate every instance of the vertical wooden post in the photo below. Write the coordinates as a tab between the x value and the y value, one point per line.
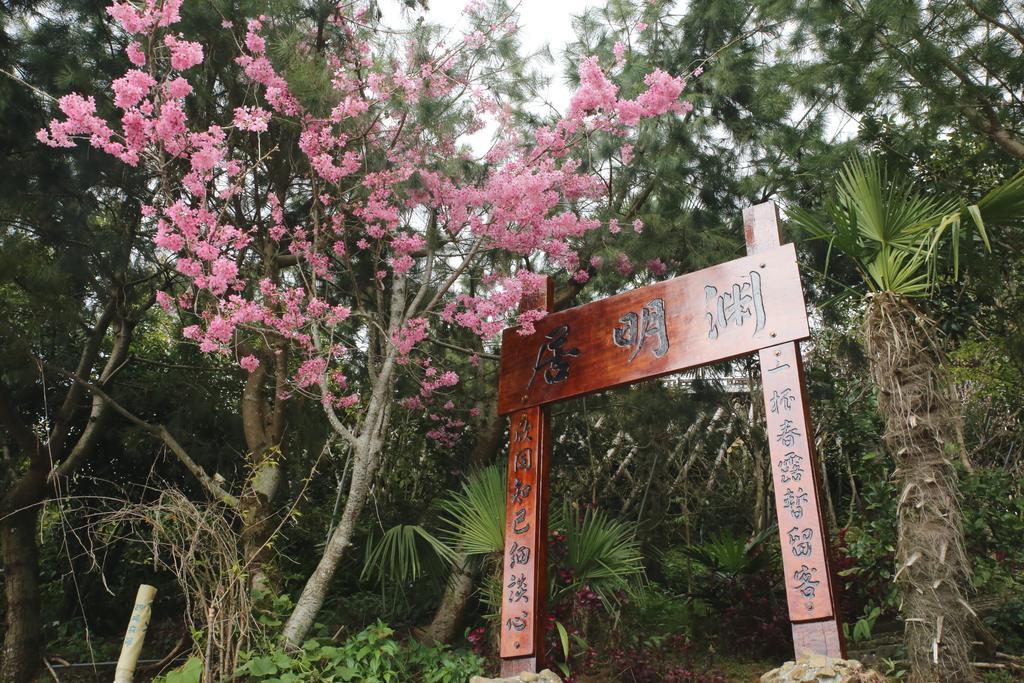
806	556
525	560
135	635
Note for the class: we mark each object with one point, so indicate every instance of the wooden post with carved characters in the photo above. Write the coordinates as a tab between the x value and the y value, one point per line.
747	305
806	557
525	559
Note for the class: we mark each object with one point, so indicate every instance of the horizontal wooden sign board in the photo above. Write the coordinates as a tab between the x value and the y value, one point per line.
715	314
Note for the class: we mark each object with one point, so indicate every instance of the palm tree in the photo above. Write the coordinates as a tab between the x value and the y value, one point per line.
602	552
897	239
473	526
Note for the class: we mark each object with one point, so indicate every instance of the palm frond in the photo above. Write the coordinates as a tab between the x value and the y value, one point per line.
603	553
474	517
401	553
839	229
895	235
726	556
905	272
1003	205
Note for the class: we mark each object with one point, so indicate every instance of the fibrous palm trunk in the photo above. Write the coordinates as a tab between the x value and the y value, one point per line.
923	436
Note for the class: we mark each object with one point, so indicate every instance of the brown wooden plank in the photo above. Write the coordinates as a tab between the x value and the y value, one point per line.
715	314
524	562
513	666
807	559
521	561
820	638
803	536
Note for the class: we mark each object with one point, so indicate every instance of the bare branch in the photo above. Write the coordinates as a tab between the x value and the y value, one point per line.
160	432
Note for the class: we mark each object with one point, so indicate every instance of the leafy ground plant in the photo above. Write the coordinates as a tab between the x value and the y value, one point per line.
373	655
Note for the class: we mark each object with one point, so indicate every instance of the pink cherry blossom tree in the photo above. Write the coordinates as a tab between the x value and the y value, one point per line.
338	275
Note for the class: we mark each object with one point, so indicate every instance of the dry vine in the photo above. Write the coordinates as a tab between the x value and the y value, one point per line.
196	542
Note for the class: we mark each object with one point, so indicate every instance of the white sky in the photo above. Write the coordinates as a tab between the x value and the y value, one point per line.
541	22
549	22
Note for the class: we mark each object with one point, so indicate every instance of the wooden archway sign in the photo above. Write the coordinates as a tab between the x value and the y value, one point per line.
752	304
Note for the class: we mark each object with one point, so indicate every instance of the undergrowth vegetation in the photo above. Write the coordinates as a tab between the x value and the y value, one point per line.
256	257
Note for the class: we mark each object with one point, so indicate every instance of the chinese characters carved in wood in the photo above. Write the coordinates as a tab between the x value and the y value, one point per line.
751	304
714	314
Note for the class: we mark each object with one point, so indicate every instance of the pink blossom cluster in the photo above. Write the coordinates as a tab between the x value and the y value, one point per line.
619	50
184	54
410	335
598	95
486	315
144	19
623	264
379	179
152	117
446	430
252	119
435	381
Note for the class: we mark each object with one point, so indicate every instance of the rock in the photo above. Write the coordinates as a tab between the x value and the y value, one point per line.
545	676
822	669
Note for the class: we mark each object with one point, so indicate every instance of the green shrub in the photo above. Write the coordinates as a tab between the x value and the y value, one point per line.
372	656
993	518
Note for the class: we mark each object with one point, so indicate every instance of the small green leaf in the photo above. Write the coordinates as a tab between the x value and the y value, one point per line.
563	635
189	672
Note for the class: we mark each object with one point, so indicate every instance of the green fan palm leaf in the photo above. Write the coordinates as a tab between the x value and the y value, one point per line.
1004	205
473	518
603	553
896	236
402	553
472	525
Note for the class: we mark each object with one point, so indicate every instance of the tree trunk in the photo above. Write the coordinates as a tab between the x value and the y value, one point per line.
490	440
922	437
23	641
257	522
444	628
19	515
263	426
19	511
315	591
366	450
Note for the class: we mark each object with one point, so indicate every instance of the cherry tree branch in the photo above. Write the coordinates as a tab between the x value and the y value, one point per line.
455	275
161	432
58	431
